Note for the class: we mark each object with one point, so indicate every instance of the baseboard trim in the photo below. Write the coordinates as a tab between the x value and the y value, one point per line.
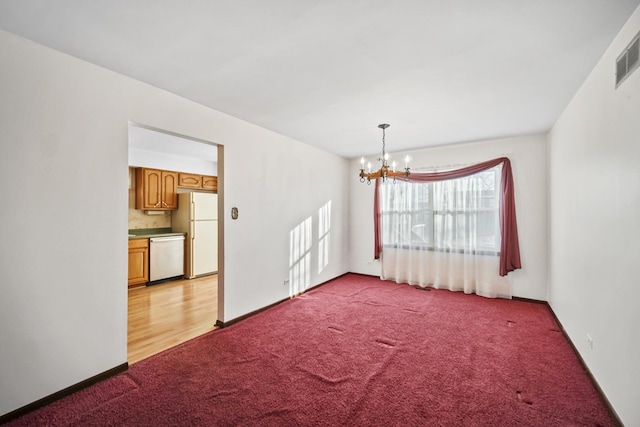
63	393
612	411
222	324
536	301
246	316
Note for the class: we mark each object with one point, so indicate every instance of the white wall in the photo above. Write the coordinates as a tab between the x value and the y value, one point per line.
64	166
276	185
594	152
172	162
159	150
528	155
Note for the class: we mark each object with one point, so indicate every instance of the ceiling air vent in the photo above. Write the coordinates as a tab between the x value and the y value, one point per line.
628	60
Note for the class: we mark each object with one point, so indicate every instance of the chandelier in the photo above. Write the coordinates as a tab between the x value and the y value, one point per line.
385	170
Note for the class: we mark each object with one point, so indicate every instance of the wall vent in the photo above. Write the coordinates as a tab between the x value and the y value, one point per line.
628	60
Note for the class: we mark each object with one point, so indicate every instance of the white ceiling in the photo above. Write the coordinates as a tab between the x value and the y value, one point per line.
328	72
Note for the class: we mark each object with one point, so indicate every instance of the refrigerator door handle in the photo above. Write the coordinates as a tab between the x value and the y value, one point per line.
192	231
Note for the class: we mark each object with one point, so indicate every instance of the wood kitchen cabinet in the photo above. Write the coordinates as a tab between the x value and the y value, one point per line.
200	182
189	180
210	183
156	189
138	261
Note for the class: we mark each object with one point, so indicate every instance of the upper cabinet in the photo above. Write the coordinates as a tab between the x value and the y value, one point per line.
200	182
210	183
189	180
156	189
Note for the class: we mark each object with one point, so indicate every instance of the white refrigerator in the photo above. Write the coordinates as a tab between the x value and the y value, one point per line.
197	215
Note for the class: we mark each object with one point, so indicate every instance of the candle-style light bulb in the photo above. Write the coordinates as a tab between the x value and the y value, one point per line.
406	162
362	162
393	165
369	166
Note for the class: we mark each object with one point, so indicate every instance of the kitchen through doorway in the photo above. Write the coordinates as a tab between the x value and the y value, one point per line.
168	312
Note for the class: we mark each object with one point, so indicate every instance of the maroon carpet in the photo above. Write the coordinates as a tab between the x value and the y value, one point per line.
355	352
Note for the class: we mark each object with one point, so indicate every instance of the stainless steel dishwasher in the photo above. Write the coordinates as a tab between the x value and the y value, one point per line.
166	257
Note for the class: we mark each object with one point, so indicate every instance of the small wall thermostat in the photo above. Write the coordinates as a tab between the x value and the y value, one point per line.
234	213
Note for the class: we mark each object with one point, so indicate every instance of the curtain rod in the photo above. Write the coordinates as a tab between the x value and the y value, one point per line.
449	166
440	167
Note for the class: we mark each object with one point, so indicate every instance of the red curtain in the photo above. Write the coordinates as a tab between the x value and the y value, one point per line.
509	247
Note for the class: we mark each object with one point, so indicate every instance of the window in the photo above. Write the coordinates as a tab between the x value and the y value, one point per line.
456	215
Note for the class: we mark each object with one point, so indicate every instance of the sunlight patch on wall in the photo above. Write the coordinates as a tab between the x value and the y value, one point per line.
300	257
324	235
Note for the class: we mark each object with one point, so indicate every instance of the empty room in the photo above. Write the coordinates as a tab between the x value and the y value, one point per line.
425	211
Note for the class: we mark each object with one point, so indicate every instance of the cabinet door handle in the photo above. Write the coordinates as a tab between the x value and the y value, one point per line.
157	204
164	204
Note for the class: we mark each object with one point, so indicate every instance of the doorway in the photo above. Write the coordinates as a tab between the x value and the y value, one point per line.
166	314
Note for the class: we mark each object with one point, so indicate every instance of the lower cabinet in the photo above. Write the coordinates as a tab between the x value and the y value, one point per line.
138	261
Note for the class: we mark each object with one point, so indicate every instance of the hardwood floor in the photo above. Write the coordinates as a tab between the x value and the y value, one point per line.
162	316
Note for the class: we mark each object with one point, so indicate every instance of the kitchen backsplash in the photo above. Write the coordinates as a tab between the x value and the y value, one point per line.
137	218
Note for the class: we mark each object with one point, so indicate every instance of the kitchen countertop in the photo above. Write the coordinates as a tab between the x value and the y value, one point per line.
145	233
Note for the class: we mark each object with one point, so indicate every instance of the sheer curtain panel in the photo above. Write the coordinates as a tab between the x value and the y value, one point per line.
454	230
